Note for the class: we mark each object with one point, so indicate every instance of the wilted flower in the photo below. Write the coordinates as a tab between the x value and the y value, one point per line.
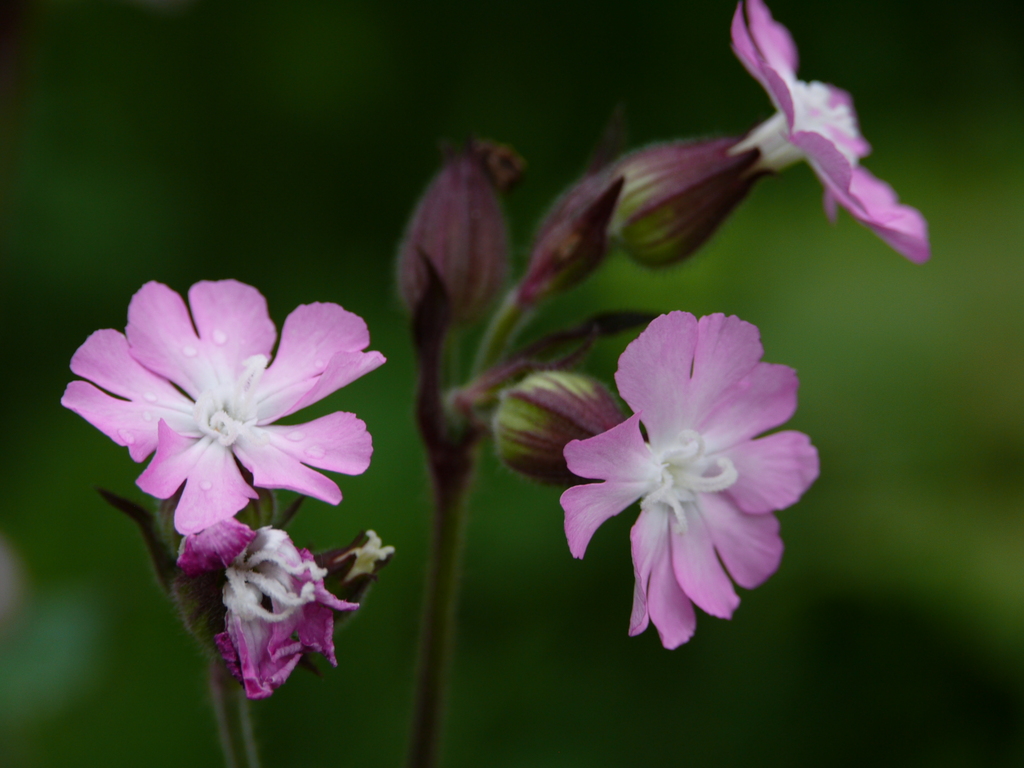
458	225
539	415
277	610
816	122
200	390
707	488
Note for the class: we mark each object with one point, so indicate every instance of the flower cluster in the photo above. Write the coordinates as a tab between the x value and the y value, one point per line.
196	385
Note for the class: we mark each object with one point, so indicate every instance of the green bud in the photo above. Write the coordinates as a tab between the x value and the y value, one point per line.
676	195
537	417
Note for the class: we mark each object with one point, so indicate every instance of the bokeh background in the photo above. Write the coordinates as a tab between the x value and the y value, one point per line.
283	143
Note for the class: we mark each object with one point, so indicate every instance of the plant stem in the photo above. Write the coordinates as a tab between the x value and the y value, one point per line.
451	476
234	724
503	325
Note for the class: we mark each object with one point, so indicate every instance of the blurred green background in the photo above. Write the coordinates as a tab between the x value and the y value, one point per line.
283	143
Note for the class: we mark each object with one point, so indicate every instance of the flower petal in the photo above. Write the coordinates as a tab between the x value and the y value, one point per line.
648	541
214	491
104	360
313	335
773	471
762	400
588	506
726	352
123	421
342	370
215	548
176	455
773	40
273	468
246	648
749	545
618	454
161	337
338	442
829	164
772	72
214	488
743	45
874	203
654	372
233	324
665	602
697	569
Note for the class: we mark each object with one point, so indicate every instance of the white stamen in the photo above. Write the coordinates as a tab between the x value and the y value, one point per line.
228	415
684	475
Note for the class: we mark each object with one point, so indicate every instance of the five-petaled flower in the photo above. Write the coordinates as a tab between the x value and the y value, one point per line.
705	485
200	390
277	610
816	122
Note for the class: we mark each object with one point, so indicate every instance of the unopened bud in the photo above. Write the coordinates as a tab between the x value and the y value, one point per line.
538	416
676	195
458	225
573	239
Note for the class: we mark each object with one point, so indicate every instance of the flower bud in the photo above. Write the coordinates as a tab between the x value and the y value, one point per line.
458	225
572	240
538	416
676	195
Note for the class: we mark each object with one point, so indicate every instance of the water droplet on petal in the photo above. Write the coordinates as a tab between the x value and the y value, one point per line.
219	338
150	397
315	452
189	351
127	436
206	485
147	416
295	436
320	364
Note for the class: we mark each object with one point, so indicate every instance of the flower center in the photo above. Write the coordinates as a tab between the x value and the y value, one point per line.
820	109
686	471
817	108
228	412
268	572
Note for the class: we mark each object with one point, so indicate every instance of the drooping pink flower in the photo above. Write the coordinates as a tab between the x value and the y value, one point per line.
707	487
200	390
816	122
277	610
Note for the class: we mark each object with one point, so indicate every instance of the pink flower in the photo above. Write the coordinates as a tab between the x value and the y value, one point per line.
707	488
816	122
277	610
200	391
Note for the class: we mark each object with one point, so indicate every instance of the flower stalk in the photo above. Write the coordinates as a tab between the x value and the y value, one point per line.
234	722
451	458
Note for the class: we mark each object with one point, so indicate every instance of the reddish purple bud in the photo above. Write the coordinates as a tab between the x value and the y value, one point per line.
538	416
458	225
676	195
573	239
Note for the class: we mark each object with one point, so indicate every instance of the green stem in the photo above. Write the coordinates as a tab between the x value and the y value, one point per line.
233	721
499	333
451	475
